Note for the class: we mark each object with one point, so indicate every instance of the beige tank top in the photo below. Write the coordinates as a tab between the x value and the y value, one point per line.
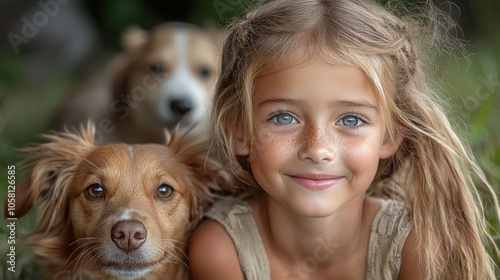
389	230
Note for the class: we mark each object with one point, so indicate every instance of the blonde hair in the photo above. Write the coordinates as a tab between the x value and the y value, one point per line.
432	171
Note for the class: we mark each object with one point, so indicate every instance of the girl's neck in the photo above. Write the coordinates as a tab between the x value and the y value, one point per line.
328	239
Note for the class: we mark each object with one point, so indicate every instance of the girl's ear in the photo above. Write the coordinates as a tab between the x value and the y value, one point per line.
390	145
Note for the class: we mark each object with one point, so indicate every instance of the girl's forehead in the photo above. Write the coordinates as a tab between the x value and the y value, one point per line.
299	60
286	66
301	54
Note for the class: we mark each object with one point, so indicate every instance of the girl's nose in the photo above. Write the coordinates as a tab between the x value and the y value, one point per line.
317	145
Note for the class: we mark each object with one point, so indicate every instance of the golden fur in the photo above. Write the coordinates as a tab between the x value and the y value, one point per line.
82	192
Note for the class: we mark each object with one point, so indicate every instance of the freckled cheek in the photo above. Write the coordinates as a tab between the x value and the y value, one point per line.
271	145
361	156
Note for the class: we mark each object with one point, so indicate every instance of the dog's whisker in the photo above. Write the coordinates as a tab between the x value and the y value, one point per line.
83	239
172	252
174	241
90	263
74	260
96	257
182	252
177	247
82	254
87	241
174	255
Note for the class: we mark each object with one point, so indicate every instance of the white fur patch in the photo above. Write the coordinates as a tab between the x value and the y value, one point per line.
182	83
126	215
131	151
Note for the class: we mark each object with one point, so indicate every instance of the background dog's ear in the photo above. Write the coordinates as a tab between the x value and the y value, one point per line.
134	37
52	165
133	40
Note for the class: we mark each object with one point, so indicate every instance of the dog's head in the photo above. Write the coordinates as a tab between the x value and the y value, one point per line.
171	74
122	211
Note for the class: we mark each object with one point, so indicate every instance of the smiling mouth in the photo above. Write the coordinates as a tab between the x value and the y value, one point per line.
315	181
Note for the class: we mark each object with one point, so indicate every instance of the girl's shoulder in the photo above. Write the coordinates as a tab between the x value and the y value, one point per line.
227	243
212	253
412	267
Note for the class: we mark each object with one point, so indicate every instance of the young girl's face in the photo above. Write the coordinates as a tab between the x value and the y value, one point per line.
320	135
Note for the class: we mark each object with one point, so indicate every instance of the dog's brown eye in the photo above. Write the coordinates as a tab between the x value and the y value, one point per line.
165	192
94	191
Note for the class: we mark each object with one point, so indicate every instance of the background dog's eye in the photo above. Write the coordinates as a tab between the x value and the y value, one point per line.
157	68
205	72
165	191
94	191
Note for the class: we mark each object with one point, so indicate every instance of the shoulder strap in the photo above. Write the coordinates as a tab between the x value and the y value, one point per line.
389	231
239	223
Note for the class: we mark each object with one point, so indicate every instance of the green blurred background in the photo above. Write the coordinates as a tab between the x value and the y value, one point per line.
75	39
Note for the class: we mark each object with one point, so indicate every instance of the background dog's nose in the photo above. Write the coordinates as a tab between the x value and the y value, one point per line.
181	106
129	235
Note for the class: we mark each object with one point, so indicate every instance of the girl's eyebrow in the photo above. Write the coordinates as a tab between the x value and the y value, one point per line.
363	104
286	101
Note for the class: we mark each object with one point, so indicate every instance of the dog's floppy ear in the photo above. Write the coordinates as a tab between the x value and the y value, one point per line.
208	177
210	180
52	165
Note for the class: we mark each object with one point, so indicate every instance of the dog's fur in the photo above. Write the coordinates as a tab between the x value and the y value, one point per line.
107	212
162	76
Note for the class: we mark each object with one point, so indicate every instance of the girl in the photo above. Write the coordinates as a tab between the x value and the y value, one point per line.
348	167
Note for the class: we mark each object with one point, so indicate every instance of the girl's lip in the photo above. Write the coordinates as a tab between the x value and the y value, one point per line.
315	181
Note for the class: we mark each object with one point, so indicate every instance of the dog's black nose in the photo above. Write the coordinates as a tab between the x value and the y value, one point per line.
181	106
129	235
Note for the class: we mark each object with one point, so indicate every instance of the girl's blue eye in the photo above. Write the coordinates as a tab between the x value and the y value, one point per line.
284	118
351	121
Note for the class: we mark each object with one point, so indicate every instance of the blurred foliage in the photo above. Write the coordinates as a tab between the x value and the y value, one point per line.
472	84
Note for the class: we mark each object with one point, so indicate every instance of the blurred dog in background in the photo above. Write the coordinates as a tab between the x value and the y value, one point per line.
163	76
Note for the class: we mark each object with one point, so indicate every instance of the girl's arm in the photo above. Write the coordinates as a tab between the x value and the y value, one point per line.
411	264
212	254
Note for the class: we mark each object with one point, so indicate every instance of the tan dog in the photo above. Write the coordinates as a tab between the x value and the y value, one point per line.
163	76
117	211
